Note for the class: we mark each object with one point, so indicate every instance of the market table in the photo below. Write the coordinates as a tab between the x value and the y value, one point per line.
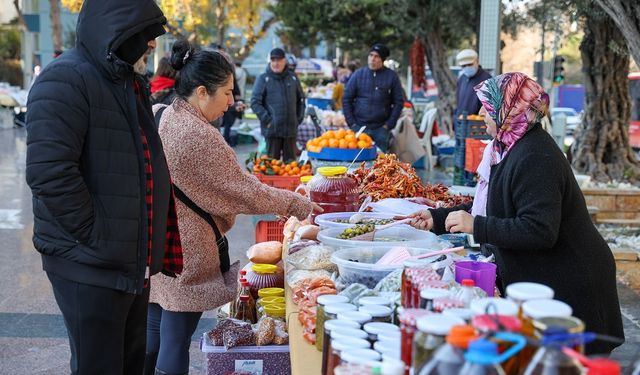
305	358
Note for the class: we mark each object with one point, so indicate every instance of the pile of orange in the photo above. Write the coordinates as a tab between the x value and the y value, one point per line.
339	139
274	167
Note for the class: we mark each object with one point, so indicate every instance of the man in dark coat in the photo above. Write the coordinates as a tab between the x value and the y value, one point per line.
374	98
278	102
472	75
104	214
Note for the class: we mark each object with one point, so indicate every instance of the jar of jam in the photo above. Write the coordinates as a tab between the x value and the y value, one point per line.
334	191
428	295
432	330
328	327
357	316
338	346
323	300
408	318
446	303
414	271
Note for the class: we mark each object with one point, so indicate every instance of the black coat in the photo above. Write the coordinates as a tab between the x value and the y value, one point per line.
466	98
538	227
85	162
278	102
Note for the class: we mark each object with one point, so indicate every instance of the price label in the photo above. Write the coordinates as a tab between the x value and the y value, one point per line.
253	366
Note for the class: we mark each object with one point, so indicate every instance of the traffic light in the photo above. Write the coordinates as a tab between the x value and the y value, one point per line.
558	69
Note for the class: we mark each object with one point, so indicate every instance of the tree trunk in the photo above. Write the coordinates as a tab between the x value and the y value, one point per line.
626	14
601	148
437	59
221	13
56	25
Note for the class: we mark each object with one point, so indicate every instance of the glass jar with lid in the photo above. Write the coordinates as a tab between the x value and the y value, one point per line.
432	330
335	191
346	333
489	324
525	291
373	300
328	327
362	356
378	313
338	346
357	316
428	295
408	320
323	300
375	328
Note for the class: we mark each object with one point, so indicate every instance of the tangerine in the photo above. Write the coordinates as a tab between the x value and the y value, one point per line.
363	144
340	134
352	144
350	137
323	143
333	143
343	143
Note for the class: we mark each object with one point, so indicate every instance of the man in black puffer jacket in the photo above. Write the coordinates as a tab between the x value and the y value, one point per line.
104	214
278	102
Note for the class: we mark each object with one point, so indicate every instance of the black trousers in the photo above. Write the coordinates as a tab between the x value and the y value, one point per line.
277	146
228	119
106	327
169	338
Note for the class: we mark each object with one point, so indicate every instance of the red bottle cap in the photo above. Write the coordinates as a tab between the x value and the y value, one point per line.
243	272
245	283
602	366
468	282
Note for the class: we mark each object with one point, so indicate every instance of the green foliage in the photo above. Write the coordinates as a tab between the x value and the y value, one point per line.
11	71
9	43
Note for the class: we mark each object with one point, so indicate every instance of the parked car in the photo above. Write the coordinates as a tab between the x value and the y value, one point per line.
573	117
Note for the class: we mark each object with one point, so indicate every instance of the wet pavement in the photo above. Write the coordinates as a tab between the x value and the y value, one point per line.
32	335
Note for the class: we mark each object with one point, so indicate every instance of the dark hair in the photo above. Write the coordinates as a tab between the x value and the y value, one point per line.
198	68
165	69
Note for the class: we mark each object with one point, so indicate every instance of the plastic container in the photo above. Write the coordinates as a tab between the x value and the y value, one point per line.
483	274
323	301
492	305
375	328
478	359
378	313
449	358
549	359
271	292
427	296
264	276
329	326
334	191
281	182
275	311
356	316
303	188
394	236
329	220
432	330
357	264
269	230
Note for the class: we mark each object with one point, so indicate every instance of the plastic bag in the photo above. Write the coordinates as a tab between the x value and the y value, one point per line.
265	252
294	247
216	334
353	291
317	257
238	336
390	283
296	277
265	331
281	336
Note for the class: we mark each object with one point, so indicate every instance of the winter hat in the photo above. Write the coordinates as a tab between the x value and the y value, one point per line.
381	50
277	53
134	47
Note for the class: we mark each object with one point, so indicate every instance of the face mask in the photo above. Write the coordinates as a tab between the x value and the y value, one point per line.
469	71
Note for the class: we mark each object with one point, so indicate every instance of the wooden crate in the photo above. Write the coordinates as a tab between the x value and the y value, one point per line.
614	204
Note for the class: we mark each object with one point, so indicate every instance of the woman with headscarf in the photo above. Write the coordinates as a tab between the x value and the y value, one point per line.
530	213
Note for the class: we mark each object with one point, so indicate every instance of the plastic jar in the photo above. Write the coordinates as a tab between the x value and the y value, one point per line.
266	301
428	295
303	188
374	301
408	318
275	311
346	333
271	292
493	306
356	316
432	330
334	191
374	328
339	345
264	276
323	300
487	324
328	327
378	313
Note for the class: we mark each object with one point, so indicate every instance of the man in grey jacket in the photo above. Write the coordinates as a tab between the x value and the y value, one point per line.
278	102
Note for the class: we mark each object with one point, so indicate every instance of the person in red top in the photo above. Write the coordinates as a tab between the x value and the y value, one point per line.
162	90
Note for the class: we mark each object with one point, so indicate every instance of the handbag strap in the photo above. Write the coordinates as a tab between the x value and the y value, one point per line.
202	213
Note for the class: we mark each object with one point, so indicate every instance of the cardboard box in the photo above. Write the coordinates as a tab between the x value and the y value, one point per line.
254	360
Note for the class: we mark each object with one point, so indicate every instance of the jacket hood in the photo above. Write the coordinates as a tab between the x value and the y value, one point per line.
104	25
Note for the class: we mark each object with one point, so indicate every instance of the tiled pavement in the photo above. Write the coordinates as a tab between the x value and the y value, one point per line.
32	335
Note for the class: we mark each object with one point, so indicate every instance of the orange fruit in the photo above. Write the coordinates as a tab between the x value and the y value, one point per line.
343	143
362	144
364	137
295	171
287	168
352	144
340	134
324	143
333	143
263	168
294	164
328	135
350	137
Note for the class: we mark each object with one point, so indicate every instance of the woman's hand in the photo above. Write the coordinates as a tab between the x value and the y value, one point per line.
459	222
420	220
316	208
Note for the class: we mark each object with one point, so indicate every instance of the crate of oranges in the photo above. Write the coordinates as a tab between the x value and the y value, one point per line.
341	145
277	173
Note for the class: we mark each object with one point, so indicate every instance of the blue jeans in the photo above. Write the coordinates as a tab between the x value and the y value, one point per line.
169	334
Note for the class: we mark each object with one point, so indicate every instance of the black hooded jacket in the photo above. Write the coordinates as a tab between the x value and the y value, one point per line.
85	163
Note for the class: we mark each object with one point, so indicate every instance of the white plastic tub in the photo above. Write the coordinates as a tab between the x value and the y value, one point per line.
396	236
327	220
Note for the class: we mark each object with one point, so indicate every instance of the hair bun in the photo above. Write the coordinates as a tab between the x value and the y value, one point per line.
180	53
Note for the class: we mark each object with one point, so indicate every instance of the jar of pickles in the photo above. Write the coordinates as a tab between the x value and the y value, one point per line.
408	318
322	301
328	327
372	300
338	346
378	313
432	330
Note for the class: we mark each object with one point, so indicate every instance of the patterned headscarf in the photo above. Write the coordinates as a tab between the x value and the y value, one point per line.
516	103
